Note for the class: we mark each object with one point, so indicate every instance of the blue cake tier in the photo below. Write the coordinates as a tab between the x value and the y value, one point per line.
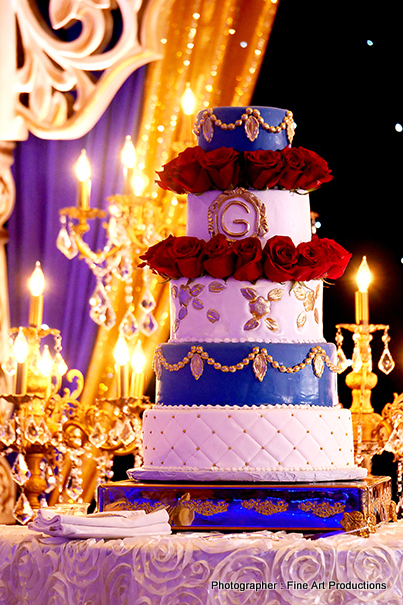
248	373
244	128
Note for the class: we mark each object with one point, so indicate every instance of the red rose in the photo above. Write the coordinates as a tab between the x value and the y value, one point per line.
312	261
248	265
185	173
189	255
280	258
222	165
220	261
315	172
263	168
294	163
160	260
337	258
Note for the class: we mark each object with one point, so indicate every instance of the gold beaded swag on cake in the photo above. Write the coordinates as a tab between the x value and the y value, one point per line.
258	356
251	120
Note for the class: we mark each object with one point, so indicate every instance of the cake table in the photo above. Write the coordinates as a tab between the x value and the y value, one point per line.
202	568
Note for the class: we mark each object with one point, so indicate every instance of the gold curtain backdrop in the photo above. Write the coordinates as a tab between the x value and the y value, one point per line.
216	48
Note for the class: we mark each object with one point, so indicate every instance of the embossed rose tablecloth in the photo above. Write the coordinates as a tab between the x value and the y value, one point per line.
198	569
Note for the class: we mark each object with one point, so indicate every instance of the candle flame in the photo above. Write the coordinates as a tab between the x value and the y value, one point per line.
121	352
128	154
82	167
36	282
20	347
363	276
188	101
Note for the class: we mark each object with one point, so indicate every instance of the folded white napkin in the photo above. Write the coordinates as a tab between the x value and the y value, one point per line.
116	524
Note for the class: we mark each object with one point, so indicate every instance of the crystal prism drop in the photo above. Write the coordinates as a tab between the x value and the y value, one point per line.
20	471
127	434
341	359
74	489
43	433
31	430
148	324
22	511
7	433
66	244
115	432
98	436
147	302
386	362
129	326
10	365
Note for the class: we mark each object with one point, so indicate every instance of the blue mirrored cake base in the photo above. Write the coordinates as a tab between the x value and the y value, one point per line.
305	507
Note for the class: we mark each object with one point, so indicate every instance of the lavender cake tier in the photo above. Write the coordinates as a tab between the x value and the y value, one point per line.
217	310
259	439
244	213
244	128
245	374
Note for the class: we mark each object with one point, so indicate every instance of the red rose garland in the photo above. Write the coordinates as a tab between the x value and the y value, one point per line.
196	171
245	260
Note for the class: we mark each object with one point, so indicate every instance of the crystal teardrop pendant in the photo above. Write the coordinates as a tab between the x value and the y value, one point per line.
148	324
20	471
65	243
147	302
129	326
341	359
7	433
386	362
10	365
98	436
31	430
127	434
22	511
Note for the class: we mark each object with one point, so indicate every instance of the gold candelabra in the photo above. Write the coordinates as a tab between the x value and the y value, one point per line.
371	430
48	434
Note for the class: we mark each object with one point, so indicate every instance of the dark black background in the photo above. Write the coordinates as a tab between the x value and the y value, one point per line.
346	99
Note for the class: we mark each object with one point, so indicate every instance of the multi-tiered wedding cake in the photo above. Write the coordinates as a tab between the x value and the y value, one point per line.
247	385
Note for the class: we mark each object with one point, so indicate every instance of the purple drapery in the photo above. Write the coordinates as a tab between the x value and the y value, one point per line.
45	182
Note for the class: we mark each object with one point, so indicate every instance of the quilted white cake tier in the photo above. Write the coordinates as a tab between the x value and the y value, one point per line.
258	440
247	212
215	310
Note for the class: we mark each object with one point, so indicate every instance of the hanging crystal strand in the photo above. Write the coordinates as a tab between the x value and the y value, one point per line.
386	363
148	324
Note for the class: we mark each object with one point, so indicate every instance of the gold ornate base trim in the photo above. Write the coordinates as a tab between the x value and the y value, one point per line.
351	506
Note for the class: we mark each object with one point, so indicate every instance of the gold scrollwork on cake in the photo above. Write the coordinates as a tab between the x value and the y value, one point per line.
358	524
207	508
250	203
265	507
322	509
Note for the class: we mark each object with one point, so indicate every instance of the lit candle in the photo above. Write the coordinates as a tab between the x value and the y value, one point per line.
20	350
128	157
83	172
188	104
361	296
122	358
36	287
138	362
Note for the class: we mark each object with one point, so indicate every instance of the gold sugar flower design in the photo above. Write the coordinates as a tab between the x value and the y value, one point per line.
189	295
260	307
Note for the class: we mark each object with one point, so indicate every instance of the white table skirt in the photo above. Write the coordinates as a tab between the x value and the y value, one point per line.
199	569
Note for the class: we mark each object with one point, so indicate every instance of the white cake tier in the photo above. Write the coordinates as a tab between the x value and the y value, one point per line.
213	310
259	440
249	213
